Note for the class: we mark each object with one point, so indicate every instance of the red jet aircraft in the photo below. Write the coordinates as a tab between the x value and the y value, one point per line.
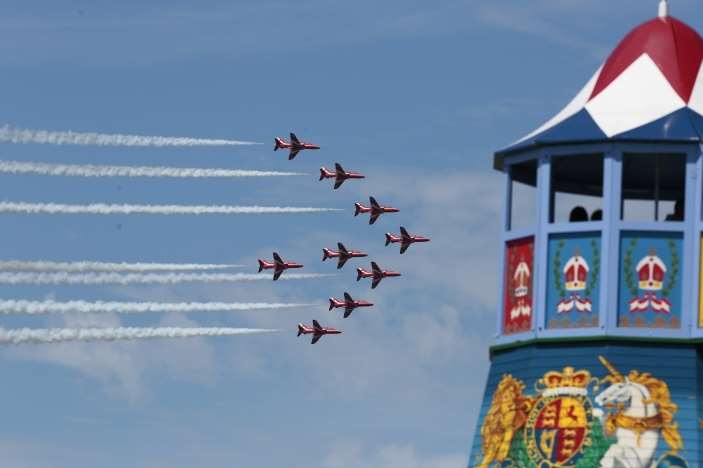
376	273
405	239
316	330
343	254
339	174
375	209
278	266
348	303
295	145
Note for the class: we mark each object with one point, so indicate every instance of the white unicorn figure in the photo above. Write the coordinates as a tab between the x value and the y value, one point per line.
644	411
635	447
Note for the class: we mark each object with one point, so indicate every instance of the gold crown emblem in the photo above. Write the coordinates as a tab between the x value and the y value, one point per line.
568	378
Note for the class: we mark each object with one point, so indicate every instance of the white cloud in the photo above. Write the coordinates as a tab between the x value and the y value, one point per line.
346	454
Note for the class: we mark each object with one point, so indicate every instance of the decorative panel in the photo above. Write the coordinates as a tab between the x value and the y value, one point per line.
517	300
573	282
650	280
586	405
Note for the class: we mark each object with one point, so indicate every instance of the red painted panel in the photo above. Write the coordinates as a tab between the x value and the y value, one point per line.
517	301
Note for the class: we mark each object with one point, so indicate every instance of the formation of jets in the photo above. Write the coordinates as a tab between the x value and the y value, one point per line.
377	274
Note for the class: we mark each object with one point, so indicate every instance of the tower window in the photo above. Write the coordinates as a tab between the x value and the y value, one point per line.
523	194
653	187
576	188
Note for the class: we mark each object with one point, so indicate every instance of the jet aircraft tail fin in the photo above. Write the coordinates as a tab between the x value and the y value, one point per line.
359	273
388	238
300	329
325	254
357	210
261	266
279	144
323	172
331	303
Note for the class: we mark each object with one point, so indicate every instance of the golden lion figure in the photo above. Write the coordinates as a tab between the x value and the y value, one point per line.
508	413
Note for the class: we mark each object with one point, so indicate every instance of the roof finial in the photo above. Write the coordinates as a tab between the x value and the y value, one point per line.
663	9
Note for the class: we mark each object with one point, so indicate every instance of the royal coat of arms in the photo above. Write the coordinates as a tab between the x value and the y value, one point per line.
580	421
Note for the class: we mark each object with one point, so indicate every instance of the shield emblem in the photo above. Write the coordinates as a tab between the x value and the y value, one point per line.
557	429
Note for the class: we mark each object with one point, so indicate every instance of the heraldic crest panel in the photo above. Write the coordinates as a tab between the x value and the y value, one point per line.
517	310
595	409
573	284
650	280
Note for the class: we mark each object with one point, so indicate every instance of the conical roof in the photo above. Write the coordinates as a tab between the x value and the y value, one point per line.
649	89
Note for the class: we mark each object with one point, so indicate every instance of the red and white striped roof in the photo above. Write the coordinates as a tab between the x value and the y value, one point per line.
649	88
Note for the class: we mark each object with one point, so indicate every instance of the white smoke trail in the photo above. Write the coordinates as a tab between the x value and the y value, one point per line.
57	335
87	170
107	209
143	278
9	307
22	135
41	265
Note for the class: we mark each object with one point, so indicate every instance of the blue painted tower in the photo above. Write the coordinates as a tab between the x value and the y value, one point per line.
598	360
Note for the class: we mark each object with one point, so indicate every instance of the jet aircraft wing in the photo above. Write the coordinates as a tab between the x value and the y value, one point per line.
342	260
294	139
343	250
374	203
277	274
376	280
339	169
293	153
404	246
374	216
316	325
338	182
376	269
404	232
348	311
347	297
277	258
315	339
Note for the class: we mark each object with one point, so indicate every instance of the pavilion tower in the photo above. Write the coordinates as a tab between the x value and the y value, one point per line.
599	355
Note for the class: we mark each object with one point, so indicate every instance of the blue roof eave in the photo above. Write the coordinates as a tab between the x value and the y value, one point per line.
681	126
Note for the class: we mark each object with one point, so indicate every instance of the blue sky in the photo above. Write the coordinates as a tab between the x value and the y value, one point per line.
415	94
